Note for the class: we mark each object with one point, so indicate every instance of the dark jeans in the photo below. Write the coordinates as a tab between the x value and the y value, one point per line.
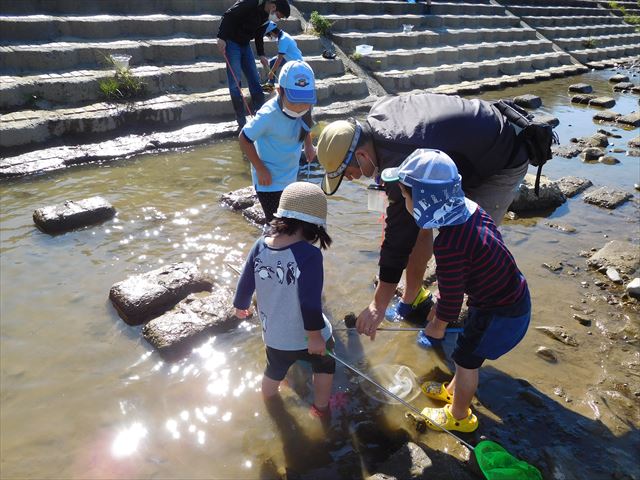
241	60
269	202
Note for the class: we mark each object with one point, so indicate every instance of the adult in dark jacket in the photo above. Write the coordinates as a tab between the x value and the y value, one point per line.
247	19
473	133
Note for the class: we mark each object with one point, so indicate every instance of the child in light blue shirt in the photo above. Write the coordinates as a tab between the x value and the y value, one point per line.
287	49
273	139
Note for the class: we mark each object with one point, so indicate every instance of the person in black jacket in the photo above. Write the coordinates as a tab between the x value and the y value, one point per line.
478	138
247	19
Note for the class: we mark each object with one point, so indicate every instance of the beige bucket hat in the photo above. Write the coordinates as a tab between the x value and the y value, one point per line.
303	201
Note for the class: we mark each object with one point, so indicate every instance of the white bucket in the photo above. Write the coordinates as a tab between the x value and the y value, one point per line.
406	28
121	61
364	49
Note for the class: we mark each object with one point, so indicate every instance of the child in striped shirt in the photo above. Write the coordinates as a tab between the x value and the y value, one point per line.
471	258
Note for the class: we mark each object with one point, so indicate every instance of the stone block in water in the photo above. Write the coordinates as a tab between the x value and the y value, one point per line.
528	101
571	186
550	195
71	215
621	255
581	88
140	298
607	197
240	199
177	331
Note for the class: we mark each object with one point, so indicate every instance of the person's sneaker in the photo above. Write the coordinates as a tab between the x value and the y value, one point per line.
417	311
444	418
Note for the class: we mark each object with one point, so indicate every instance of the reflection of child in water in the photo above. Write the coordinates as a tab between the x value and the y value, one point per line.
471	258
285	270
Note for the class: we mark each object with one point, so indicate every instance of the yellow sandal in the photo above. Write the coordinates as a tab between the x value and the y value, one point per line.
437	391
444	417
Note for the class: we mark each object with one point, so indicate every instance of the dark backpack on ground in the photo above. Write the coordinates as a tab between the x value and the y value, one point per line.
537	137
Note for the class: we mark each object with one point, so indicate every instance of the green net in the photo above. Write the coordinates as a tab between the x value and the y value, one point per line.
498	464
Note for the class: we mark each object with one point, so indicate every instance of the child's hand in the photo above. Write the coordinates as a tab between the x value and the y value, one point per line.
310	153
316	344
265	62
264	176
243	313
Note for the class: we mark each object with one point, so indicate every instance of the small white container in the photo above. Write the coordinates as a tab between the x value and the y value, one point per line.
376	198
406	28
121	61
364	49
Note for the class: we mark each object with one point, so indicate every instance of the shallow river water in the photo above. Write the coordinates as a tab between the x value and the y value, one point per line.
84	396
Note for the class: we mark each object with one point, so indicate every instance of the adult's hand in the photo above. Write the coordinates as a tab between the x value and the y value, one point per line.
265	62
264	176
222	46
369	319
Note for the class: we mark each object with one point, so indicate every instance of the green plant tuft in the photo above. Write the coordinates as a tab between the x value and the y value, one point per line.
123	86
320	24
589	43
356	57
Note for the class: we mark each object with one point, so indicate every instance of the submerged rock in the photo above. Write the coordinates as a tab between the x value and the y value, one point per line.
528	101
71	215
550	195
558	333
410	462
621	255
240	199
619	78
140	298
623	87
547	354
581	88
607	197
608	160
591	154
593	100
633	288
571	186
175	332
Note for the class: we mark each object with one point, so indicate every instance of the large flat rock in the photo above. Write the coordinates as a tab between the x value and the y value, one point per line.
622	255
177	331
571	186
550	195
71	215
607	197
140	298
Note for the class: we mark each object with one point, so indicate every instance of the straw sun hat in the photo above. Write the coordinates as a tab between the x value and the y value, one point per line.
303	201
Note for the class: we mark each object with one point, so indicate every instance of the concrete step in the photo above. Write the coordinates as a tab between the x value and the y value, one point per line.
394	23
592	30
395	81
588	55
599	41
429	38
451	55
566	21
368	7
36	126
139	7
18	29
552	11
550	3
504	81
83	86
60	56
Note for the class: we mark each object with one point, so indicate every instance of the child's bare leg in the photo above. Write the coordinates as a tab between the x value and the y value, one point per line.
322	383
465	384
270	387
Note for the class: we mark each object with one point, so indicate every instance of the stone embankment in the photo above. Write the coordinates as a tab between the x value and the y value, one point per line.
52	60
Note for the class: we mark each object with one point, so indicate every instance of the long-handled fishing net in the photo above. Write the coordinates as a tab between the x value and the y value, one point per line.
494	461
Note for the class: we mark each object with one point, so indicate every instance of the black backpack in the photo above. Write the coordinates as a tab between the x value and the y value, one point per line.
537	137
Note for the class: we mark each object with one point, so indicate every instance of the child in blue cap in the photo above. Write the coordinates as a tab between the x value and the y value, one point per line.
471	258
287	50
273	138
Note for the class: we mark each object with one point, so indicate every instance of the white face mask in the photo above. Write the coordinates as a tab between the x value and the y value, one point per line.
274	17
293	114
375	169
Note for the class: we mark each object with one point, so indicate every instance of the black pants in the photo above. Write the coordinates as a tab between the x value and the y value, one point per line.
269	202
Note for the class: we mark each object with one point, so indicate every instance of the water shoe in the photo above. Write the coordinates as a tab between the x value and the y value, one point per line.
417	311
444	417
437	391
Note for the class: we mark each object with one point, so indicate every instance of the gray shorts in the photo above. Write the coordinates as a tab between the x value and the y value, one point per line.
496	192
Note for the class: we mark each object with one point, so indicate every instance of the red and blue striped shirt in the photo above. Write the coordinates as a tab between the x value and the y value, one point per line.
472	258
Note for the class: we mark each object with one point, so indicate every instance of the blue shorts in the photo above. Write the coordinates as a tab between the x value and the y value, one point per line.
490	333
